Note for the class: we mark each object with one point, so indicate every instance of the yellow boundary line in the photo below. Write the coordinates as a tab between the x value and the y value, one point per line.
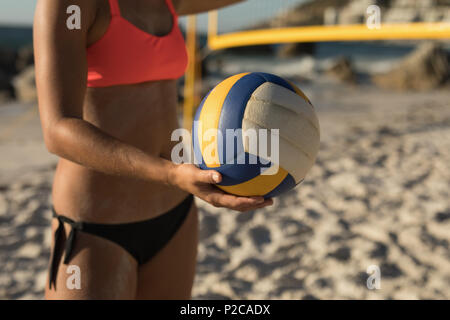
419	30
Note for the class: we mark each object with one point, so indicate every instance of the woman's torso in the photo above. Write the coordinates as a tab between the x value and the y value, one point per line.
143	115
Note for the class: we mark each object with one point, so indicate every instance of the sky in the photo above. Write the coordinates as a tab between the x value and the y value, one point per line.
20	12
17	12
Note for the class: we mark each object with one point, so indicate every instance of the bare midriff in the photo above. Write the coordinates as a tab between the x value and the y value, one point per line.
143	115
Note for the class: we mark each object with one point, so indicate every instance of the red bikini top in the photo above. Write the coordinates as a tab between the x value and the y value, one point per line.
126	54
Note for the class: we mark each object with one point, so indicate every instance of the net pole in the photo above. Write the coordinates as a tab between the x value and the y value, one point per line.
192	74
212	23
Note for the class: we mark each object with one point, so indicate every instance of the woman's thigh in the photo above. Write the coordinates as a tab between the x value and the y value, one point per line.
106	271
170	274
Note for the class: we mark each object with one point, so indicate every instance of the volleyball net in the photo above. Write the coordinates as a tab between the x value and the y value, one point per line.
256	22
264	22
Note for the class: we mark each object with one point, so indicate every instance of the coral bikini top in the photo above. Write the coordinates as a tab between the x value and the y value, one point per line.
127	55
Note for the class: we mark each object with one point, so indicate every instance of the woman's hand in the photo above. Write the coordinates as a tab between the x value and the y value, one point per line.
201	184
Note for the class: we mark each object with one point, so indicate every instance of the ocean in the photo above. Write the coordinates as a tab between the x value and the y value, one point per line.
15	37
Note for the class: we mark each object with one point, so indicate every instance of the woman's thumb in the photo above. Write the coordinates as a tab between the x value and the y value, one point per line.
210	176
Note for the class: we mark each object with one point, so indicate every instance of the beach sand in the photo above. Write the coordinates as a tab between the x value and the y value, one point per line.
378	195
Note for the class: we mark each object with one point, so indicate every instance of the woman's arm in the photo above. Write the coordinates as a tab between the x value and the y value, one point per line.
184	7
61	76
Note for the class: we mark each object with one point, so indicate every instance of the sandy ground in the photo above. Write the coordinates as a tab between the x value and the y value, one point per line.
378	195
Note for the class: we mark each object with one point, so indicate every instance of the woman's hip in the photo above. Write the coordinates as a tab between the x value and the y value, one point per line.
83	194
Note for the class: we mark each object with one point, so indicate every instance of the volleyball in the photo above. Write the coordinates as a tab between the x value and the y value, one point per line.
259	131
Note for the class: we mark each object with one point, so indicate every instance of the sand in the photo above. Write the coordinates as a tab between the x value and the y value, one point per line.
378	195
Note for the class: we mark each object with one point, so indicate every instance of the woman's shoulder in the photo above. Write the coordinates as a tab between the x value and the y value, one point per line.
85	10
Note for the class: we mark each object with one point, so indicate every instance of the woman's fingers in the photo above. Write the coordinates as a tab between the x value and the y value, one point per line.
203	187
267	202
220	199
228	200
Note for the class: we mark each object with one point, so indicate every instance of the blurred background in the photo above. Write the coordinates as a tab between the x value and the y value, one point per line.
377	196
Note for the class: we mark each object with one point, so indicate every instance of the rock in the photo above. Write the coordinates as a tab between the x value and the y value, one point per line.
433	15
348	17
426	68
446	17
342	70
291	50
7	60
346	12
4	96
308	13
354	12
6	89
25	85
330	16
4	80
401	15
25	58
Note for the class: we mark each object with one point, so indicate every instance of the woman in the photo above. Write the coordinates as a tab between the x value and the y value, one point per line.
124	213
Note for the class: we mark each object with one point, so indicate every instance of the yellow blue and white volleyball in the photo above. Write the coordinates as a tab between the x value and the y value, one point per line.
255	101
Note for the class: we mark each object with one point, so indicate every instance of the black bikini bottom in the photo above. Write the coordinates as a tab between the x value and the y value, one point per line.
142	239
